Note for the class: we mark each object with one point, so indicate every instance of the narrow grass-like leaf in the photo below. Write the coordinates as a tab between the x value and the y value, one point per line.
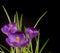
4	47
28	50
37	44
6	14
25	32
14	18
24	50
31	47
44	45
17	20
17	50
39	19
20	28
1	49
12	50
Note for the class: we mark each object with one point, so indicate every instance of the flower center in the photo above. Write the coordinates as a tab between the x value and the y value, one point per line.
11	25
17	38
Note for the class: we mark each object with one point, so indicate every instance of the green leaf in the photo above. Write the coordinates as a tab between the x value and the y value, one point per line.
16	20
12	50
28	50
39	19
31	47
1	49
6	14
18	50
24	50
37	44
20	28
44	45
4	47
25	32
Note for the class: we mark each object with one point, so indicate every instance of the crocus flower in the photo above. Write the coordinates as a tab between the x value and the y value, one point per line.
31	32
17	39
9	28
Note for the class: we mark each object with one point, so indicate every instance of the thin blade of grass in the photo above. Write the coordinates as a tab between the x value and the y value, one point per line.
17	20
37	44
17	50
1	49
6	14
12	50
44	45
14	18
20	27
39	19
31	47
25	32
4	48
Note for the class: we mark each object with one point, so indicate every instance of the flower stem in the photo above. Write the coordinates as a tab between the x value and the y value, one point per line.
6	14
31	47
18	50
1	49
44	45
4	47
39	19
20	26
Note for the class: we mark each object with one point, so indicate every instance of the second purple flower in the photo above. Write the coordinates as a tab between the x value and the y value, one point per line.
9	28
31	32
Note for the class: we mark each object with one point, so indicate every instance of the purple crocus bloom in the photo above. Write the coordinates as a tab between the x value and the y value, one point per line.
17	39
31	32
9	28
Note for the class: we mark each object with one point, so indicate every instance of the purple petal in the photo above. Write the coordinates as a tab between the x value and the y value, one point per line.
9	28
24	43
32	32
11	40
17	33
4	29
8	42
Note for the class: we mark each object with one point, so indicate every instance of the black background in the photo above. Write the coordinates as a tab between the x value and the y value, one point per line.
31	11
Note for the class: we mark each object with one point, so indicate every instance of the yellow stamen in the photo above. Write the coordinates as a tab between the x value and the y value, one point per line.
17	38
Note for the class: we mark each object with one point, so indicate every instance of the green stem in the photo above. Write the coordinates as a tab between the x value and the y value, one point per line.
31	47
6	14
18	50
14	18
17	20
12	50
37	44
1	49
4	47
43	46
20	28
39	19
